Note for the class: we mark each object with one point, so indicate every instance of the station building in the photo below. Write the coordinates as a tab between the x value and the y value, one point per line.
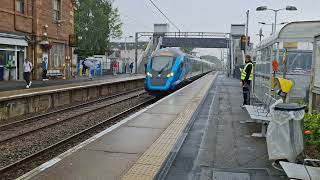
35	29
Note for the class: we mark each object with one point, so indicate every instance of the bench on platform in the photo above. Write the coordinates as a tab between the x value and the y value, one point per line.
54	73
260	113
310	170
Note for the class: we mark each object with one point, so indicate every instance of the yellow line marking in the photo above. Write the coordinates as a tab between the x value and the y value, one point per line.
151	161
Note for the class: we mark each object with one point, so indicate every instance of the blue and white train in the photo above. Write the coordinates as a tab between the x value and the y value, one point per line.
169	68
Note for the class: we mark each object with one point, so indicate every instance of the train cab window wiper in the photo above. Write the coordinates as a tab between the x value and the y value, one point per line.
163	68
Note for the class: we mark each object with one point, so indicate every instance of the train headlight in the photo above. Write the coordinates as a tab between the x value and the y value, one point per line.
149	74
170	75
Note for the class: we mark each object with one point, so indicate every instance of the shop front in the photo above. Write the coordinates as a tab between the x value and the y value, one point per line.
12	54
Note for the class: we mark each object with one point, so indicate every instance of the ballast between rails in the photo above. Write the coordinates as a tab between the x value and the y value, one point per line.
12	168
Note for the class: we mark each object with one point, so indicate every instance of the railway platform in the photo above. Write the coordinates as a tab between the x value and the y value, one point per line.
21	85
219	144
55	94
136	148
196	133
17	88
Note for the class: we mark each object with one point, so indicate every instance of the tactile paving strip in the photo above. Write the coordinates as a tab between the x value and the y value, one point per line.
151	161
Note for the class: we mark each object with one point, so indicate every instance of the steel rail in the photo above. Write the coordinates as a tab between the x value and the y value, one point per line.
36	156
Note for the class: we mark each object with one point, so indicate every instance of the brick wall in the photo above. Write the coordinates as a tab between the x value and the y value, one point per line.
11	21
58	31
34	19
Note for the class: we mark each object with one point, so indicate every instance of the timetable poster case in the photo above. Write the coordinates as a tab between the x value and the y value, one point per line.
317	64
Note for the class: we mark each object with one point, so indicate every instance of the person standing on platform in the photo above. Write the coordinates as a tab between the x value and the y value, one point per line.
246	77
84	67
115	68
27	68
131	67
44	66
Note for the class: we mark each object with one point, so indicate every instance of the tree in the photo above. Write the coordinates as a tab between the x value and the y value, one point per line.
213	59
96	22
186	50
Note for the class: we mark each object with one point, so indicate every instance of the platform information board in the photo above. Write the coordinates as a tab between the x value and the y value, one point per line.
317	64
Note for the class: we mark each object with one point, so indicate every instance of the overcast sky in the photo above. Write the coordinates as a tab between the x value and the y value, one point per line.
211	15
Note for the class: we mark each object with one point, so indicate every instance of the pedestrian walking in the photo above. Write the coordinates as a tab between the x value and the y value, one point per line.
246	77
131	67
44	66
115	68
27	68
89	64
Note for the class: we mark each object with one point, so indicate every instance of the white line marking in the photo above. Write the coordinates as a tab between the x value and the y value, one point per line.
49	163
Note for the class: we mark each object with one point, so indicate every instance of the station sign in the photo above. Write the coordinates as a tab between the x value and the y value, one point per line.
73	40
290	45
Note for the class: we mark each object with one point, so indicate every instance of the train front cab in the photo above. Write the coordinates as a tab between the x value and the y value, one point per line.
162	73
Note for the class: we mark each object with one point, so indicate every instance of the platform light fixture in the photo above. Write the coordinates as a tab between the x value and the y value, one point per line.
262	8
287	8
263	23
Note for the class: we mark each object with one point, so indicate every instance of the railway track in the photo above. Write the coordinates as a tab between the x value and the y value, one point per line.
28	125
34	118
38	138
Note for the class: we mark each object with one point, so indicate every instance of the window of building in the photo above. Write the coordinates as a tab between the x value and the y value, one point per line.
20	6
56	10
57	55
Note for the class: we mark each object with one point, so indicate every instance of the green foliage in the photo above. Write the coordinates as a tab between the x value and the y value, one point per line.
186	50
312	124
215	60
10	65
96	22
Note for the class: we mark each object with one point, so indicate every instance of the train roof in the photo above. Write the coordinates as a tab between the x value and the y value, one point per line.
168	52
177	52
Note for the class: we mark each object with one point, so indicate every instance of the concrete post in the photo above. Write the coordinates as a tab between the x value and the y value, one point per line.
136	53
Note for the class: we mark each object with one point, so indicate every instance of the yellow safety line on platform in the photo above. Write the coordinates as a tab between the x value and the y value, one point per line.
151	161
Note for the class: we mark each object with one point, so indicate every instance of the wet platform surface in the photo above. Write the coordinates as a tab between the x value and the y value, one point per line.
138	148
219	144
13	89
21	84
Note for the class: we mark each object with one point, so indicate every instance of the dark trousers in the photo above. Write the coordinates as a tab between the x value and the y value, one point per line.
246	93
26	77
44	74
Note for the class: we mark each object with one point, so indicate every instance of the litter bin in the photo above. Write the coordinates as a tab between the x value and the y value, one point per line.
285	132
1	72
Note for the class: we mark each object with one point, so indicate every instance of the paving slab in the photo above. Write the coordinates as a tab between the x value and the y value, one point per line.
131	140
86	164
167	109
152	120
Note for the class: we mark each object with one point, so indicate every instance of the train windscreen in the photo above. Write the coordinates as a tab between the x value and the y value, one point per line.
162	63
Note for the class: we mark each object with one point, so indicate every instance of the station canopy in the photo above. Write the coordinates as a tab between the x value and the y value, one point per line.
299	31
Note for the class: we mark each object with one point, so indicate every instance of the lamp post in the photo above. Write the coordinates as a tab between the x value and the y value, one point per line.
265	8
247	29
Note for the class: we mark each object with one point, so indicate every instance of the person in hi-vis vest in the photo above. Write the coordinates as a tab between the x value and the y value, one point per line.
246	77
